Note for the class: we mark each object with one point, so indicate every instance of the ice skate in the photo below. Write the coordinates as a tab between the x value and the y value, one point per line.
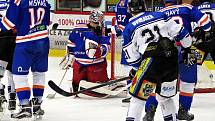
184	115
37	111
12	102
149	116
25	112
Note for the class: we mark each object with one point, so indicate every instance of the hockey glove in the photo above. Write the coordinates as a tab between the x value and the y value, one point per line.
132	73
67	61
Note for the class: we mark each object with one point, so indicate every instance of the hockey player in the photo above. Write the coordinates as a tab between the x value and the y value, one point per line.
30	19
7	45
122	18
183	14
89	48
149	46
208	46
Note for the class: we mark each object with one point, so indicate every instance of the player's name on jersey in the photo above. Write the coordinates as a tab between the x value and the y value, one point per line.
142	19
172	12
204	6
37	3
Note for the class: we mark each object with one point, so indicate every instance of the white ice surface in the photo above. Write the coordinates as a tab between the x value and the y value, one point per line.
76	109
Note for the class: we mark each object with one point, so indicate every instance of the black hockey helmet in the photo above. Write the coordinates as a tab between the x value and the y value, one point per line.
202	1
136	6
175	2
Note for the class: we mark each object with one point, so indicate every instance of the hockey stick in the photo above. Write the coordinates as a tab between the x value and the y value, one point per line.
68	94
104	90
55	27
51	96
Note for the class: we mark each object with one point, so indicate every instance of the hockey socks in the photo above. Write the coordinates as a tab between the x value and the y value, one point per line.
168	108
186	100
186	94
135	109
151	101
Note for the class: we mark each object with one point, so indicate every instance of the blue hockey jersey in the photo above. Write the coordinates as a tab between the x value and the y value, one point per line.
122	14
122	18
79	44
145	28
3	7
29	17
208	8
184	14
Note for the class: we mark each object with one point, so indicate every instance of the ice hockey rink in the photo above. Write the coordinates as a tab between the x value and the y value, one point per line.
110	109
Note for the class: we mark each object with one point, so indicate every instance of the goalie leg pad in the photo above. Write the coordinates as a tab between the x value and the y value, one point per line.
135	109
168	108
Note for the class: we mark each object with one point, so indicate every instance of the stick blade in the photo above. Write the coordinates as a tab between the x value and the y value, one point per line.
50	96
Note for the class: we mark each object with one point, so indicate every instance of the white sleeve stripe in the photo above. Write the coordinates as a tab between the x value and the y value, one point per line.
71	45
204	20
17	2
7	23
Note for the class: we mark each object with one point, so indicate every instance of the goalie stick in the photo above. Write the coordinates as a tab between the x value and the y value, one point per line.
55	27
68	94
51	96
114	91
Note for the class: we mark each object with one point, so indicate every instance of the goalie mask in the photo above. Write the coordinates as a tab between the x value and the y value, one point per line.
97	18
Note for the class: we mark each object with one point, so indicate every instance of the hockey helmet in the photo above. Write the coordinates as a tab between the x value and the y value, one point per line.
171	1
96	17
136	6
202	1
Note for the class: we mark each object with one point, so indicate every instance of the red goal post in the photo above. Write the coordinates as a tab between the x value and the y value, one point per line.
206	77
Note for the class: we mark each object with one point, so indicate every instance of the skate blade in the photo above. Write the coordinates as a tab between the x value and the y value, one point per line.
50	96
22	119
37	117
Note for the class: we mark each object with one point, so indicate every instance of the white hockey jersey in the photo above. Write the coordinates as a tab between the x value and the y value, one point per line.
148	27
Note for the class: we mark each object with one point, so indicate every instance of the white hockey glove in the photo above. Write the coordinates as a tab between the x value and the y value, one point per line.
67	61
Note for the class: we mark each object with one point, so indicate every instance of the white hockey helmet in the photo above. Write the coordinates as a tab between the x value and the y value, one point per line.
97	17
